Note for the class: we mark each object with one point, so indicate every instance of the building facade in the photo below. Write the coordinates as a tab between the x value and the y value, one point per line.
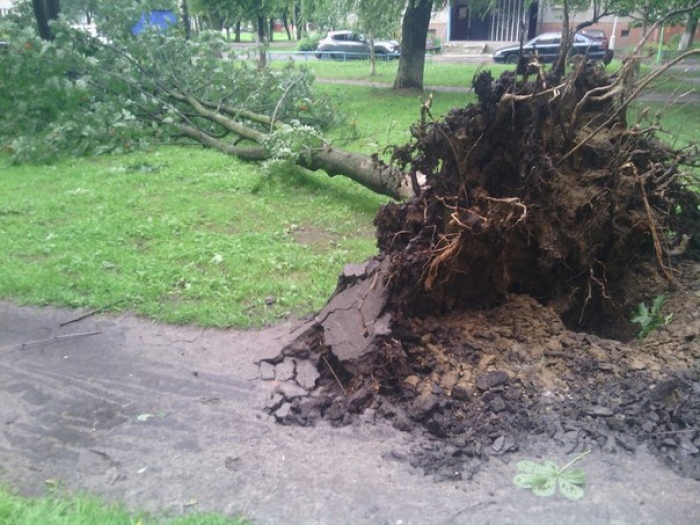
459	22
5	7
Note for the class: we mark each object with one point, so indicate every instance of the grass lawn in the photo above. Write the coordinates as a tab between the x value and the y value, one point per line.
182	235
88	510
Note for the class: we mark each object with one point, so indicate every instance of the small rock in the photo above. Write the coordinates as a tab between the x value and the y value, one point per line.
402	423
491	380
497	405
284	371
310	408
275	402
599	411
283	412
687	445
410	383
290	391
497	445
267	371
425	404
270	300
336	410
307	374
626	443
460	392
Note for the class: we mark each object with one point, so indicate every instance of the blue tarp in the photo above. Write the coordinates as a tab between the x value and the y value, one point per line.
159	19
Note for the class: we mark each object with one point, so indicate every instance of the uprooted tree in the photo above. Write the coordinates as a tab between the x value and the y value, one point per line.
542	195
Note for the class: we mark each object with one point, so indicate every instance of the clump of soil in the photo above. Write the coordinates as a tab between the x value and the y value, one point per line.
500	303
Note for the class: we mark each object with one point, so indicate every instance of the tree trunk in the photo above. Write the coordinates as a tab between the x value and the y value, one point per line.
368	171
362	169
53	8
42	19
416	20
296	12
691	25
285	22
186	19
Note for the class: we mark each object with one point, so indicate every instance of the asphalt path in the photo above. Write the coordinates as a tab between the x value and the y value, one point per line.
170	419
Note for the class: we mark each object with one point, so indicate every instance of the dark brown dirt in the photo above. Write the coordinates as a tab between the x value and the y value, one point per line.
477	384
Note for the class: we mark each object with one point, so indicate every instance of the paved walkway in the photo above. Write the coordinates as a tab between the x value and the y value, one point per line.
170	418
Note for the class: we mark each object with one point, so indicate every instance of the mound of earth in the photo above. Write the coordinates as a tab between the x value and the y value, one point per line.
500	304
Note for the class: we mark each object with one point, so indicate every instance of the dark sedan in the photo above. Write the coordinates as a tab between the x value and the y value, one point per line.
547	48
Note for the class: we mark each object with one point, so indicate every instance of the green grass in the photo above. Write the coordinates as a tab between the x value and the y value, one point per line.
88	510
383	117
460	75
680	123
456	75
181	235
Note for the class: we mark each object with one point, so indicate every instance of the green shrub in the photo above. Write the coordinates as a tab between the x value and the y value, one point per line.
308	43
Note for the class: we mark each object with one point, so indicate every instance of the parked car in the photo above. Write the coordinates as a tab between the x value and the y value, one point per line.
599	34
347	44
547	48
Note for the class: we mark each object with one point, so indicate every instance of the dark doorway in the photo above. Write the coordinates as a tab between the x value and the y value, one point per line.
465	24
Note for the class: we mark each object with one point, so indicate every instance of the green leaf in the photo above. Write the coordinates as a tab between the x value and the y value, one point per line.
549	468
576	476
528	466
658	304
570	490
524	481
544	486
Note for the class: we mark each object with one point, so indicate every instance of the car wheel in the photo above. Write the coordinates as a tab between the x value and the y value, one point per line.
512	59
324	55
381	55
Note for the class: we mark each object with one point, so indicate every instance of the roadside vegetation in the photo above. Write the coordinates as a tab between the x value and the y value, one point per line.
88	510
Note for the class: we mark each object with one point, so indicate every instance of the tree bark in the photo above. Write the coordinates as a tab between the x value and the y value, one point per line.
691	25
42	19
262	43
416	20
184	8
369	172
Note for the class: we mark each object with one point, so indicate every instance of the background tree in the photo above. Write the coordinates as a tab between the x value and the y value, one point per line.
691	25
414	32
44	12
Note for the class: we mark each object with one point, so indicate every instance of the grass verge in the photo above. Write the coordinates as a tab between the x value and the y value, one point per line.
181	235
89	510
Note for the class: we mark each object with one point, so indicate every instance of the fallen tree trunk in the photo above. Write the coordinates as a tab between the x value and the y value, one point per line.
368	171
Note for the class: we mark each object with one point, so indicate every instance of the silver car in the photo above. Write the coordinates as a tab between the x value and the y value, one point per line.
344	45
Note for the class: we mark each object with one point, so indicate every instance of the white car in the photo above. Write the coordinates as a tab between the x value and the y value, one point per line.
344	45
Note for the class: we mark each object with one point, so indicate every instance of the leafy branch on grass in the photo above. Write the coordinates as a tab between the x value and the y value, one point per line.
650	319
542	478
